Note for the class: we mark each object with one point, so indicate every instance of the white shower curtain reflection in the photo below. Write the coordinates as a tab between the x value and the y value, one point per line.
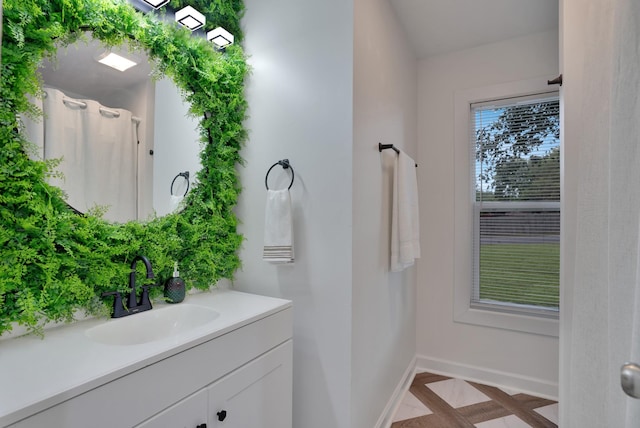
99	154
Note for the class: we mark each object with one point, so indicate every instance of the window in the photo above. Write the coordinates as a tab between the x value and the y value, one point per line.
515	162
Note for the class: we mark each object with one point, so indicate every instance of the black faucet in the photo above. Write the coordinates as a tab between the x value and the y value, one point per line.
133	305
144	304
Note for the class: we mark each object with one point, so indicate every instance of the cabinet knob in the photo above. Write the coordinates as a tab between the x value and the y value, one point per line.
202	426
222	415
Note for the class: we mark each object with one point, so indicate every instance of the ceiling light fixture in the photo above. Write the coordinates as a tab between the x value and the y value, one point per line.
190	18
118	62
220	37
156	4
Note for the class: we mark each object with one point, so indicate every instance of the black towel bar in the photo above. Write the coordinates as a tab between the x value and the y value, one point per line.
382	147
186	177
556	81
284	163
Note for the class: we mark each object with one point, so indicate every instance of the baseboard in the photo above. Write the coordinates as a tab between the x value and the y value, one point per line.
527	385
386	417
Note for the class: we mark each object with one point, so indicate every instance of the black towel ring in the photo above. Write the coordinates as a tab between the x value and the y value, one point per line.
186	177
284	163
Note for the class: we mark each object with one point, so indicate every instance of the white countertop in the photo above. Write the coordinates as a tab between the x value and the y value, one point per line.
36	373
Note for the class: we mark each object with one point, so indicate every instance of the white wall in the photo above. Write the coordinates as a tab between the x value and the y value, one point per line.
301	104
490	355
385	110
176	145
325	88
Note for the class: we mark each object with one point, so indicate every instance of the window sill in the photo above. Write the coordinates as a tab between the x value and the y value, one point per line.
508	321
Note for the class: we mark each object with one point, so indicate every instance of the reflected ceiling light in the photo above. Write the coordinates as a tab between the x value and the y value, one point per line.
190	18
156	4
220	37
116	61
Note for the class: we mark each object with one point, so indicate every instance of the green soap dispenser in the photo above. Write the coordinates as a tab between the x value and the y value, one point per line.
174	288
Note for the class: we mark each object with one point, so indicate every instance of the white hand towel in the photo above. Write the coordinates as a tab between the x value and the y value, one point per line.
174	203
278	228
405	228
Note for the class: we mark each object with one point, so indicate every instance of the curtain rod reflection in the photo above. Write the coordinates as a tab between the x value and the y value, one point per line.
103	110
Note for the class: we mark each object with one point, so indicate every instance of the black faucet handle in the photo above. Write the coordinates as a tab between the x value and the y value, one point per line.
118	309
113	293
145	301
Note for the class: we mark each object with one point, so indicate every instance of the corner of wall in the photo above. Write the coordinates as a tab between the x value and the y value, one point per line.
385	110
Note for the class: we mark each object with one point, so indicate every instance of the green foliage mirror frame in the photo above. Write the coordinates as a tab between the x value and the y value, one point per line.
55	262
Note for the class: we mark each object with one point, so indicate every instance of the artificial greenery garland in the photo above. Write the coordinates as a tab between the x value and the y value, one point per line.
54	261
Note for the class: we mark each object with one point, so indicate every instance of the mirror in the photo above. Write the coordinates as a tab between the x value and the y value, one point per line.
57	262
98	120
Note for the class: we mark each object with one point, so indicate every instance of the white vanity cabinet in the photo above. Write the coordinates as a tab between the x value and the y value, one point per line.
257	395
239	377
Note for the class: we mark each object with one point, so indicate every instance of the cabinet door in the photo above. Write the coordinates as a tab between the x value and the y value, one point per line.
257	395
188	413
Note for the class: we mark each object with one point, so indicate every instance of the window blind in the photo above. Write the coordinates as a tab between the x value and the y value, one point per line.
515	149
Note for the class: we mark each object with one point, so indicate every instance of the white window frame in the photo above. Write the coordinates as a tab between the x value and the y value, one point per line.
464	214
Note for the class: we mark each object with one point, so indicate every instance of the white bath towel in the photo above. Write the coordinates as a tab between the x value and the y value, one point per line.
405	228
278	228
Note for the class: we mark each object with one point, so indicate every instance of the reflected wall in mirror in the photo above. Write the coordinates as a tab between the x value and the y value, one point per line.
56	262
121	137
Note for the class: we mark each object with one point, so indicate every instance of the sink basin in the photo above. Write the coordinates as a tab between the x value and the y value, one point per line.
149	326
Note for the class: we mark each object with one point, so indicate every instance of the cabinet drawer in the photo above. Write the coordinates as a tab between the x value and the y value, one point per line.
133	398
